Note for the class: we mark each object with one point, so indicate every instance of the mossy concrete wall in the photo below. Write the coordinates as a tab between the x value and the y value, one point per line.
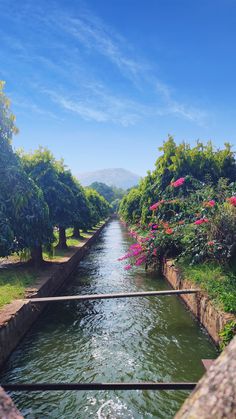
199	304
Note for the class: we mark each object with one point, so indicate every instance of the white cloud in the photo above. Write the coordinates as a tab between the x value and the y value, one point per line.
74	86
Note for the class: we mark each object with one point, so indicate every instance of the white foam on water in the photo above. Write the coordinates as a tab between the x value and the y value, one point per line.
114	410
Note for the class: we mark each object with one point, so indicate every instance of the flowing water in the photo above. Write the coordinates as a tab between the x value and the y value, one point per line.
136	339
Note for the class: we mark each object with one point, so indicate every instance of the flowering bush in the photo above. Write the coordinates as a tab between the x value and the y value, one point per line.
199	226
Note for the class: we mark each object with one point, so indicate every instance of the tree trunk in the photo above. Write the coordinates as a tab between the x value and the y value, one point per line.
62	238
76	233
37	256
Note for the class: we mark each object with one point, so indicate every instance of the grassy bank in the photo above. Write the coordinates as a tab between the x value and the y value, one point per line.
16	275
216	280
13	283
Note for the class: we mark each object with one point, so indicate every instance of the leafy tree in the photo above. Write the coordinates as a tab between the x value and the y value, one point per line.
110	193
200	164
81	216
99	207
24	212
55	181
130	208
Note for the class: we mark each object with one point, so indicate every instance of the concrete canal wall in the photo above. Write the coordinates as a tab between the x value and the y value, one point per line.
17	318
215	394
199	304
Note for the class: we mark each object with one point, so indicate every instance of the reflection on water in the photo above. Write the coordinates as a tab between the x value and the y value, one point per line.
136	339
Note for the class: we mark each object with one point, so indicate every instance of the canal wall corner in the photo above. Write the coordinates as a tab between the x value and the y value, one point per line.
199	304
7	407
17	317
215	394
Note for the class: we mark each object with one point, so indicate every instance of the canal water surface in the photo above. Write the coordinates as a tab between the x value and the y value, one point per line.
136	339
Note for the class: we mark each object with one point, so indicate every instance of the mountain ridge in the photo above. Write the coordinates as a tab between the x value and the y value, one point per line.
119	177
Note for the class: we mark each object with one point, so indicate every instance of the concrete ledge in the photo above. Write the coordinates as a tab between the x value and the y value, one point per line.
215	394
199	304
7	407
16	318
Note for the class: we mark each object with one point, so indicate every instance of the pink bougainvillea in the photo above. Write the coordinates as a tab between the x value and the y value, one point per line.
127	267
178	182
201	221
232	200
140	261
210	203
169	230
154	206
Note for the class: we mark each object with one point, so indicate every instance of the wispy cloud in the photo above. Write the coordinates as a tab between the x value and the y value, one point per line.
58	53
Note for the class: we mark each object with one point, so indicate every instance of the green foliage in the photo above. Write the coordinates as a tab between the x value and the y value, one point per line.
130	206
227	334
99	207
219	283
112	194
24	212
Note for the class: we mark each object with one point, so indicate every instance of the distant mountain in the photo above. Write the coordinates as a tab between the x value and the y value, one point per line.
120	178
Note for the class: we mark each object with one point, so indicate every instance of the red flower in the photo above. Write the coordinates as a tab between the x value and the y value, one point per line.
210	203
154	206
178	182
169	231
232	200
201	221
210	243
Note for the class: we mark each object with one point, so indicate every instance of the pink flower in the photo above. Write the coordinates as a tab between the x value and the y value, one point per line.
178	182
210	243
169	230
140	260
128	267
154	252
210	203
154	206
201	221
137	252
135	246
232	200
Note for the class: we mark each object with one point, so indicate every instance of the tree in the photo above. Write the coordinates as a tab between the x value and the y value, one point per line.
99	207
52	177
24	212
81	215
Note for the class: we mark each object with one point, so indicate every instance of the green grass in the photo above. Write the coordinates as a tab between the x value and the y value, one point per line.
219	283
13	284
14	280
71	242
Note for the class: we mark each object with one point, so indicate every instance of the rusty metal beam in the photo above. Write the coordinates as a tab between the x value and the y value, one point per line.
115	295
98	386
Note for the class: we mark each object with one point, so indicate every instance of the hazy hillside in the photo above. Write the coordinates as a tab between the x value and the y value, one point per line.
120	178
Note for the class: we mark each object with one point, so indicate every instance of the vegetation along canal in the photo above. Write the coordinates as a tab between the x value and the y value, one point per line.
136	339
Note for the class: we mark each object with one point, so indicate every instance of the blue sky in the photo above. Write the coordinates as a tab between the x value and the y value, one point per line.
103	82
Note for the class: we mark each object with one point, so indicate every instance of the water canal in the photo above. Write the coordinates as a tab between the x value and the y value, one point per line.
138	339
